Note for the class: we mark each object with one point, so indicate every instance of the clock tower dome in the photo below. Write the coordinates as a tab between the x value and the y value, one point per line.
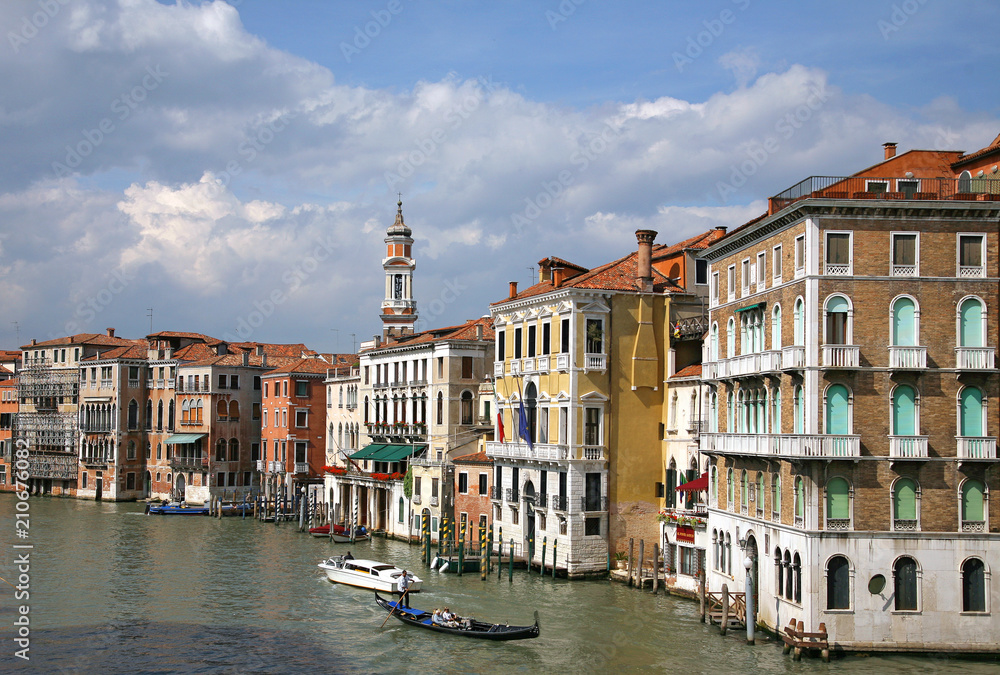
399	309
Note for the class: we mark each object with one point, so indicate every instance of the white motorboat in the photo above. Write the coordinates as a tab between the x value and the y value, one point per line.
370	574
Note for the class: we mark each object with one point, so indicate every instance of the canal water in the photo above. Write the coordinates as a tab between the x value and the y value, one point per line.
116	591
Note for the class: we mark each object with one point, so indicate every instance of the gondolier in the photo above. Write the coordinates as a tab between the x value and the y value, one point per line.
404	587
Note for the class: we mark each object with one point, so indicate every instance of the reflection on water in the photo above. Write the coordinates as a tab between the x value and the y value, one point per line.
115	591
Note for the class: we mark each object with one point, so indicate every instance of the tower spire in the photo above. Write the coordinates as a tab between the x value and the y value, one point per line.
399	309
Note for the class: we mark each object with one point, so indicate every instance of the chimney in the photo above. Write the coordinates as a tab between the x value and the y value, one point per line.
890	150
111	332
513	290
644	260
246	358
263	360
721	228
260	349
34	342
479	331
558	276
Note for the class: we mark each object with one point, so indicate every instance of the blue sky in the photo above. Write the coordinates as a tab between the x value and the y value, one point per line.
199	157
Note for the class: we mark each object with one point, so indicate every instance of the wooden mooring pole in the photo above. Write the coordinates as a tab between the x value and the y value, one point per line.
725	609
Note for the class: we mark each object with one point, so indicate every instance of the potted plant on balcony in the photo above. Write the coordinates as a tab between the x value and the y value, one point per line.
621	559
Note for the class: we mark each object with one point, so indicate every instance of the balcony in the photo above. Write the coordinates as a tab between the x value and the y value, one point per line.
901	525
415	499
977	447
592	452
132	384
541	500
594	504
496	493
96	460
908	447
841	356
710	370
971	271
594	362
907	358
513	495
891	188
515	367
793	357
837	269
528	365
434	501
770	361
560	502
301	467
815	446
973	526
838	524
262	465
188	463
542	364
974	358
541	451
904	270
276	467
498	369
562	362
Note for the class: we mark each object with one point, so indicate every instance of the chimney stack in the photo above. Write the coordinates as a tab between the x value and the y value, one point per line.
263	360
111	332
513	290
246	358
644	260
890	150
722	228
557	277
479	331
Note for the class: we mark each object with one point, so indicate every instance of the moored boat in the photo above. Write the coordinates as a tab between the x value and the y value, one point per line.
466	627
181	509
370	574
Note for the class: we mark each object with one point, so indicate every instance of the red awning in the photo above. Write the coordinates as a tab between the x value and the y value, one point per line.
697	485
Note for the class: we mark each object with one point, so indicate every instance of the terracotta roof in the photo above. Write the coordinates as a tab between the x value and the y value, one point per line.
83	338
295	350
130	352
618	275
230	360
194	352
698	242
4	370
9	354
474	458
180	334
316	366
693	370
465	331
749	223
989	149
559	262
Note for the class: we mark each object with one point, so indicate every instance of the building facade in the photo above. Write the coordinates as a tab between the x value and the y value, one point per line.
850	358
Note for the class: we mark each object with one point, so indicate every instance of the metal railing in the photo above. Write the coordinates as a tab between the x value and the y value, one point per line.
560	502
594	504
892	188
513	495
541	500
496	492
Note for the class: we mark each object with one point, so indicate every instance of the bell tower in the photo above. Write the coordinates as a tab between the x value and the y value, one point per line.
399	309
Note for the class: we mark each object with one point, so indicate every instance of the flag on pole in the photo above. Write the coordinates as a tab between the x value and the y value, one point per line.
500	434
522	428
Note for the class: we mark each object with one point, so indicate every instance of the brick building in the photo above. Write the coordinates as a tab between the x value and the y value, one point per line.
850	356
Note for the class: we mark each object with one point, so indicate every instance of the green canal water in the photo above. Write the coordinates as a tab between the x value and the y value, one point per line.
115	591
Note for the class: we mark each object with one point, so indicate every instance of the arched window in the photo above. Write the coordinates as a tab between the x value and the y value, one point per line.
234	450
799	327
905	583
776	410
730	413
715	549
776	494
729	554
713	345
730	490
760	494
149	414
776	327
971	326
800	501
789	576
159	414
170	415
744	491
799	410
797	568
223	410
440	408
965	182
904	411
973	585
234	411
185	411
838	583
904	504
838	503
220	450
973	506
779	581
837	321
904	323
713	413
366	411
971	413
731	339
741	405
838	411
198	407
714	489
133	414
402	508
671	497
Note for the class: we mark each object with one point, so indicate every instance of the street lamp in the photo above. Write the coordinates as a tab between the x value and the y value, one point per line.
748	595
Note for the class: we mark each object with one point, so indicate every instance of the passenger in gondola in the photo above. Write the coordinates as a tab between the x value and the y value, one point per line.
436	618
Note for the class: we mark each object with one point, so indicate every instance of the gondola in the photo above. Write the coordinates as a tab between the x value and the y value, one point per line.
476	629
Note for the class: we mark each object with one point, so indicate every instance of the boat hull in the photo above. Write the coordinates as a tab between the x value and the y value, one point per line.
478	629
178	510
368	574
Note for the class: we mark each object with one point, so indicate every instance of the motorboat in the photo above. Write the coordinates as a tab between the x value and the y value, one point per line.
181	509
370	574
340	534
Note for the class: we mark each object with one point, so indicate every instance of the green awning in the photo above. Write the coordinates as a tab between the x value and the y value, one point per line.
183	438
367	451
759	305
395	453
380	452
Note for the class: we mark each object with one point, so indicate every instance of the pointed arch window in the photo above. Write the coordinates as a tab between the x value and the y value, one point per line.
440	408
731	338
776	327
744	492
776	497
776	410
713	345
730	490
800	501
973	585
973	506
799	410
133	414
905	505
799	323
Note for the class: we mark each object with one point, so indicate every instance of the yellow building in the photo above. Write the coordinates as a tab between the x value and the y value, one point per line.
582	357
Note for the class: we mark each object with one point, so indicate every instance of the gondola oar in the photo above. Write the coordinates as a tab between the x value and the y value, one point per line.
398	603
